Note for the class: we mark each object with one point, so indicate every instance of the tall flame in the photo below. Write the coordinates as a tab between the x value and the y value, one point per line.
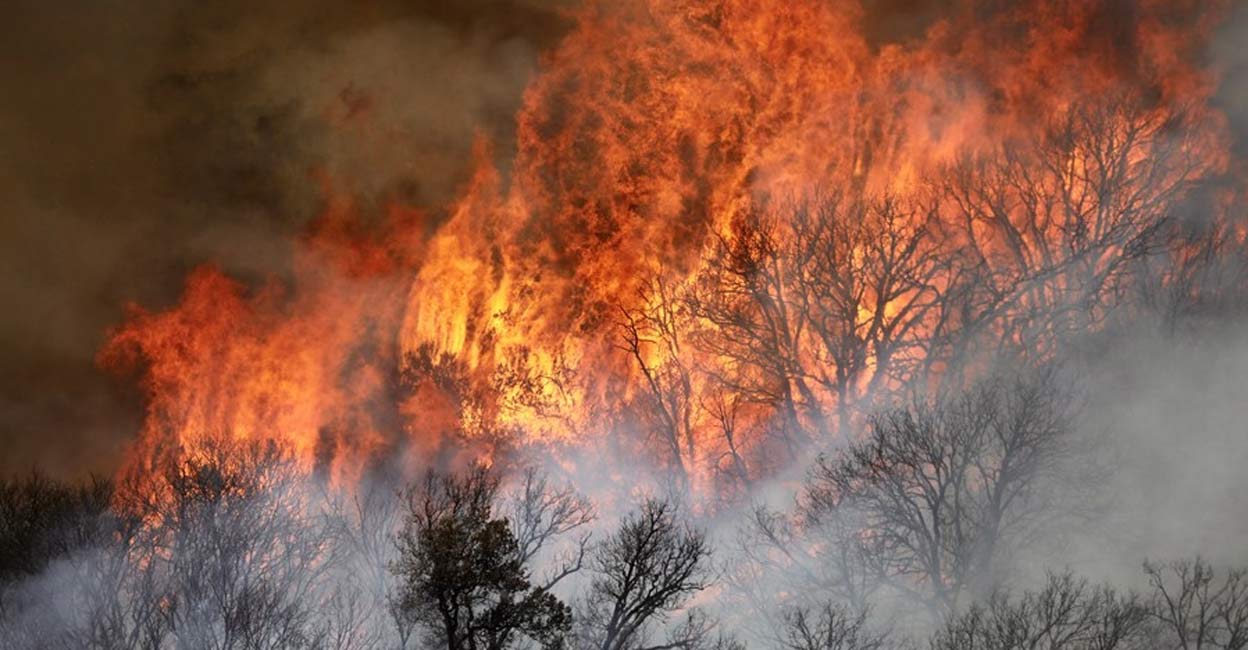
689	176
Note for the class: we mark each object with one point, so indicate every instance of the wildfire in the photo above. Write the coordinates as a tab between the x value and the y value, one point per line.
731	226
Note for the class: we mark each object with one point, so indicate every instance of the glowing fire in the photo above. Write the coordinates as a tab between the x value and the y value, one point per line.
692	257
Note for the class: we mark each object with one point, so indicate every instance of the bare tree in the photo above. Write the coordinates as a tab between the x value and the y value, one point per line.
41	520
699	631
830	628
653	335
365	521
1198	608
741	296
118	594
243	553
1066	614
943	491
62	543
729	415
788	563
221	550
1055	224
819	303
643	573
1202	275
540	512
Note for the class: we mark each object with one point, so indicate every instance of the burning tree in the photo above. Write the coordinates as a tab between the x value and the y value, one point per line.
716	247
817	305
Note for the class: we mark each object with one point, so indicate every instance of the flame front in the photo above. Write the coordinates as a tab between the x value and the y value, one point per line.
732	227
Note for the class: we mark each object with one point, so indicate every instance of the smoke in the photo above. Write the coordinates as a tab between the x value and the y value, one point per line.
1170	412
1230	59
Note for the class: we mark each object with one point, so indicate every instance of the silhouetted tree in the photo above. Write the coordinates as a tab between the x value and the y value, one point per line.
42	519
540	512
819	304
830	628
642	573
462	572
224	549
242	553
937	495
1198	608
653	337
1066	614
58	541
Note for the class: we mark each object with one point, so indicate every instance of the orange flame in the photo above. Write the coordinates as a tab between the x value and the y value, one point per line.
662	142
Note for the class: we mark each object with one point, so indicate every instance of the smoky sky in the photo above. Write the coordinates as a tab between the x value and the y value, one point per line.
139	139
